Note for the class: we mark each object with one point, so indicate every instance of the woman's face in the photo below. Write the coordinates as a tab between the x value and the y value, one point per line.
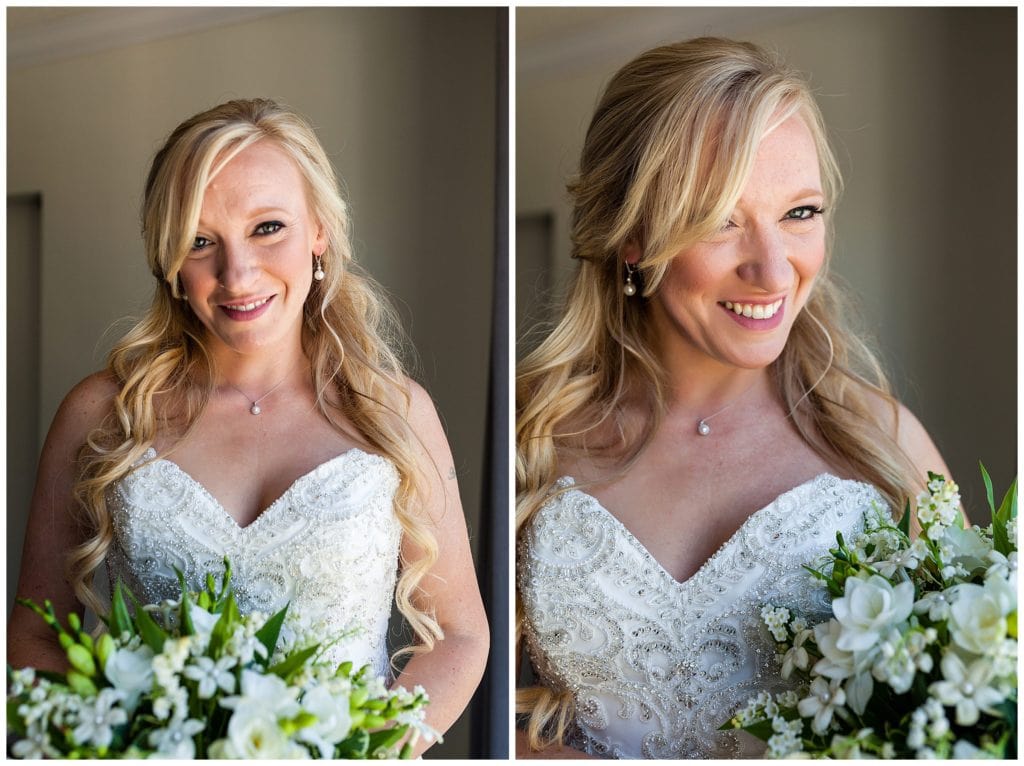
251	264
734	297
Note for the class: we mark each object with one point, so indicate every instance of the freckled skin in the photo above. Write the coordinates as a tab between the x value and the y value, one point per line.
243	255
764	253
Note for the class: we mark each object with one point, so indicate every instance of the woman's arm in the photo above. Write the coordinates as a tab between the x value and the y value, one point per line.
451	671
52	530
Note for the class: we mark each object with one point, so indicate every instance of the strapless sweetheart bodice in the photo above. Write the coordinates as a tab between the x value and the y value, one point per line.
655	665
328	546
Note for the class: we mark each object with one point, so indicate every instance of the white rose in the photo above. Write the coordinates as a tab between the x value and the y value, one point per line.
868	607
977	621
131	672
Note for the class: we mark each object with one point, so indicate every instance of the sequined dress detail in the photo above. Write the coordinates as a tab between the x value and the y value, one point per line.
656	665
329	546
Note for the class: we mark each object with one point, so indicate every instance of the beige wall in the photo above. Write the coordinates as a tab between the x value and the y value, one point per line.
922	105
403	101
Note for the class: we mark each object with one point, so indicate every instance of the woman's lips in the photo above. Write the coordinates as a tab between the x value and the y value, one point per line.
756	316
246	312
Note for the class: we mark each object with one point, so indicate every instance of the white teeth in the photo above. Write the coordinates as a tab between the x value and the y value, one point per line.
754	310
249	306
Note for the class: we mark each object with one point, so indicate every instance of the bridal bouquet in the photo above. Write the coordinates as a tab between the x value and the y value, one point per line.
920	656
196	679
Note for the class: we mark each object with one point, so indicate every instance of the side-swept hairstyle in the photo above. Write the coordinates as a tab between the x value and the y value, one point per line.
665	160
164	371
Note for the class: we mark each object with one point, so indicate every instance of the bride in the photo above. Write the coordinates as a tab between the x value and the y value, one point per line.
699	424
257	412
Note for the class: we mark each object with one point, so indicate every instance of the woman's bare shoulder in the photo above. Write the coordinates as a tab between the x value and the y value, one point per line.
84	408
913	438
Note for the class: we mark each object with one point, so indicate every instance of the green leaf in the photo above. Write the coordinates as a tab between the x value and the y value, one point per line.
270	632
904	525
152	634
387	738
225	625
1007	510
988	488
15	724
287	667
353	746
185	611
120	621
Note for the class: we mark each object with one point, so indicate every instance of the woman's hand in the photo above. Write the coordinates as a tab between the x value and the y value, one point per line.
451	670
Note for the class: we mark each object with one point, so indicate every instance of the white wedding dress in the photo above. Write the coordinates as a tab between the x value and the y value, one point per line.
328	546
655	665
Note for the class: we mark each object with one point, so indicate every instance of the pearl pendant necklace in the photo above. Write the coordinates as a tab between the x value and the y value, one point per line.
255	409
702	425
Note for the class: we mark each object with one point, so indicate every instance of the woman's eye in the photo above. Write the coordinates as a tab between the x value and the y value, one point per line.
269	227
803	213
199	243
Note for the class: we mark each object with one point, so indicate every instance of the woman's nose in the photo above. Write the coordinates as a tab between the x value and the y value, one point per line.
765	262
237	266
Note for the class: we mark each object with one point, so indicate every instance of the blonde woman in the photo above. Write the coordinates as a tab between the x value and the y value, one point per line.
699	424
257	411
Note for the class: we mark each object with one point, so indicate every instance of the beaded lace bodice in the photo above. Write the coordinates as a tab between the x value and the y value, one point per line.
328	545
655	665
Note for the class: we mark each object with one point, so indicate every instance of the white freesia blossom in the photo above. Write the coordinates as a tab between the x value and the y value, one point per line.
202	620
977	620
264	694
1002	566
98	718
868	607
967	688
130	671
176	740
966	547
333	719
256	734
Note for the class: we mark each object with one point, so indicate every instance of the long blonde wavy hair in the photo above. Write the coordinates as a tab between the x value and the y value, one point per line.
164	370
665	160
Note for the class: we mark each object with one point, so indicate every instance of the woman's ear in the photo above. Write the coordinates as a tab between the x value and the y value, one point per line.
631	252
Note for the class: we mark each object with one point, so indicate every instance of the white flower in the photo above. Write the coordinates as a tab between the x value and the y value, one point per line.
130	671
202	620
936	603
176	740
98	718
333	719
824	699
787	699
253	733
263	695
796	657
1002	566
173	703
786	739
977	620
211	675
967	688
964	750
966	547
776	618
868	607
905	558
834	662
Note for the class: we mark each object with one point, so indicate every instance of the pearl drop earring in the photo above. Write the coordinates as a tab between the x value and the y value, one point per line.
629	288
319	274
